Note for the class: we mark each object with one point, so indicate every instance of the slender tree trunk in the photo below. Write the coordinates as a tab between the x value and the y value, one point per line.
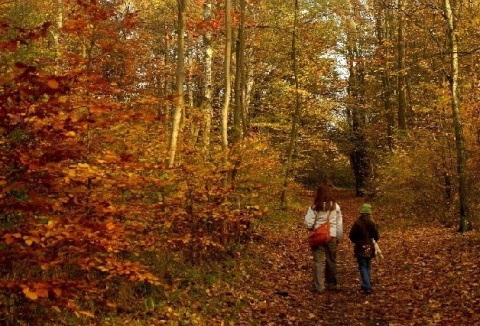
401	81
383	34
57	30
249	83
180	79
195	125
457	120
166	79
239	76
389	110
243	75
358	155
208	86
188	96
287	172
446	155
190	81
228	54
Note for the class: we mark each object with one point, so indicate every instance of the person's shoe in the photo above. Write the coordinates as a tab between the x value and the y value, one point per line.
315	290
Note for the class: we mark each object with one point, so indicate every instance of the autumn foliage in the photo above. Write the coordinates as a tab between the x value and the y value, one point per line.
86	201
96	226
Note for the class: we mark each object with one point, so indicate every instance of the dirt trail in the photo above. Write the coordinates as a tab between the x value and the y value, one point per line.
418	283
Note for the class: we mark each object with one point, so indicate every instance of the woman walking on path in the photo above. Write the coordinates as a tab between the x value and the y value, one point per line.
323	208
361	234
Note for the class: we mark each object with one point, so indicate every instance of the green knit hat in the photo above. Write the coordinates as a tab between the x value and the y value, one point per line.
366	209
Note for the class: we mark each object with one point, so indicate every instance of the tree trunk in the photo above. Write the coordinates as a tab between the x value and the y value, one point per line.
401	81
208	85
358	155
228	54
457	120
249	83
239	77
57	30
180	79
383	34
287	172
166	80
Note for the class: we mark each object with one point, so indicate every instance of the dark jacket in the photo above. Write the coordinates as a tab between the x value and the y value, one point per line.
361	234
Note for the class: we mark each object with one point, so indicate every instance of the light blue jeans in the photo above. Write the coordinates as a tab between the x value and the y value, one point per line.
364	265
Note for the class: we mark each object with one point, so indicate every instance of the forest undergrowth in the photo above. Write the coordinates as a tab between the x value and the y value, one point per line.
429	276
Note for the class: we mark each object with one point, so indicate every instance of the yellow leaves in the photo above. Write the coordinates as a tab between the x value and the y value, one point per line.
32	295
80	171
29	240
83	165
86	313
51	223
437	317
102	268
187	238
35	291
108	157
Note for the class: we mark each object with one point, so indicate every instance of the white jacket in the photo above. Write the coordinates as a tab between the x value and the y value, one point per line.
336	220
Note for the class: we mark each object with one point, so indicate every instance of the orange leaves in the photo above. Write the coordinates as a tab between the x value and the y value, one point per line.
81	172
74	25
78	166
133	271
37	290
52	83
27	239
10	238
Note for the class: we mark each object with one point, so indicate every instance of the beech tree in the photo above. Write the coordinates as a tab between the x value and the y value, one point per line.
453	77
296	111
227	83
179	82
239	87
208	88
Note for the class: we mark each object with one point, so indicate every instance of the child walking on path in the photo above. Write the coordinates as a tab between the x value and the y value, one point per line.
361	234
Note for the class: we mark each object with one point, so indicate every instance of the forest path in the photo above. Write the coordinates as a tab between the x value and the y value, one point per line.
430	276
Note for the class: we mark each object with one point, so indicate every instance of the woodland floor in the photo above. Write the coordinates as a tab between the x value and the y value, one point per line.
430	276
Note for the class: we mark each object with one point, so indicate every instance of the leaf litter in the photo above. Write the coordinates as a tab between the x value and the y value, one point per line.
430	276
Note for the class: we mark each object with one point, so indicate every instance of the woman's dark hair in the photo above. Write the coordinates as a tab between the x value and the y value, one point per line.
323	199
